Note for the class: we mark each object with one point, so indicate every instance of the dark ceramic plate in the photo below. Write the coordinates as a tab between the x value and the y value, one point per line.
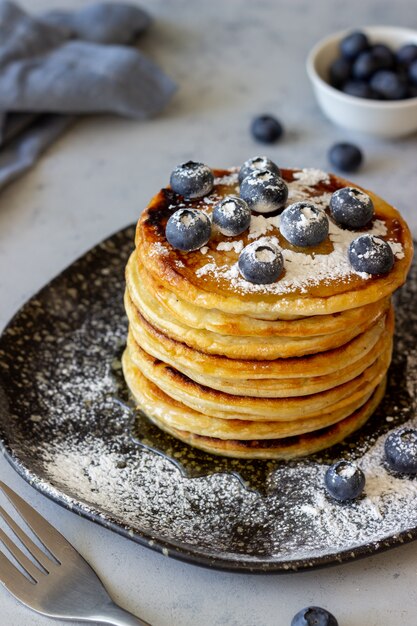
67	426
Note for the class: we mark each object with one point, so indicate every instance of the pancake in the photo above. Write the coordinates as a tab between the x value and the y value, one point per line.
268	371
328	286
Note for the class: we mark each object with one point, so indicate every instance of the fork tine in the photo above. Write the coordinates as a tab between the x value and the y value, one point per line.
53	541
20	557
37	554
11	578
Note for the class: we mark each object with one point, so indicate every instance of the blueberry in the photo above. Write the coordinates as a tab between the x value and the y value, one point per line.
401	450
232	216
188	229
261	262
407	54
192	180
353	44
371	254
365	65
389	85
351	207
266	129
385	56
412	73
359	89
339	72
258	163
303	224
264	191
346	157
344	481
314	616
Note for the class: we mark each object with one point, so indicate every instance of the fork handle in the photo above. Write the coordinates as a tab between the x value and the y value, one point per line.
116	616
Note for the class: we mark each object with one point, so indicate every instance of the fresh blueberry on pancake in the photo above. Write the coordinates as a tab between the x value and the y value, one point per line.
264	191
371	254
303	224
188	229
261	262
351	208
314	616
192	180
258	163
353	44
232	216
266	129
344	481
346	157
401	450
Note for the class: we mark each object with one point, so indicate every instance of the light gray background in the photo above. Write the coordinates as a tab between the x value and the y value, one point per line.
232	60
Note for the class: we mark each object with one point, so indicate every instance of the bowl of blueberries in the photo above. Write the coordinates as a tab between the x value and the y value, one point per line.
366	80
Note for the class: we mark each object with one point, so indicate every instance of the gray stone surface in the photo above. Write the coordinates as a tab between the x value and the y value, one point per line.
232	60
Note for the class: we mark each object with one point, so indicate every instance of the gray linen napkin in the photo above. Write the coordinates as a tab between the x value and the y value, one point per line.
64	63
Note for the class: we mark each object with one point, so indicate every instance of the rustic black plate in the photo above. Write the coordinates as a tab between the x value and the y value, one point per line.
67	426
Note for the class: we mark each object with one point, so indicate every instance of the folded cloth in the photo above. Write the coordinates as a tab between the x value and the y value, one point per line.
62	63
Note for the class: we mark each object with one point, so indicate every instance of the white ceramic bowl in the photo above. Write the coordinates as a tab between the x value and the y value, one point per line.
383	118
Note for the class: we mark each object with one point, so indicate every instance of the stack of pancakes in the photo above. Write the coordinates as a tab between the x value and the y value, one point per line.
259	371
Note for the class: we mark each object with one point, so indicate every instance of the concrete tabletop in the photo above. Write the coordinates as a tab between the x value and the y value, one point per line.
232	60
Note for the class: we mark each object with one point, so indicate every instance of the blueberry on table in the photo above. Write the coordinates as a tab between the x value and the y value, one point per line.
303	224
359	89
258	163
192	180
266	129
401	450
232	216
407	54
365	65
351	207
346	157
344	481
340	72
188	229
371	254
314	616
264	191
261	262
389	85
353	44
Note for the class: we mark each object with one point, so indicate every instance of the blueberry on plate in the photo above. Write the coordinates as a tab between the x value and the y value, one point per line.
231	216
353	44
385	56
412	73
266	128
407	54
359	89
340	72
351	207
401	450
345	157
365	65
261	262
192	180
314	616
389	85
188	229
303	224
344	481
264	191
258	163
371	254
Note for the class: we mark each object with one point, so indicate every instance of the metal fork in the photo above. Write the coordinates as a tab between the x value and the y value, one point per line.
62	584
